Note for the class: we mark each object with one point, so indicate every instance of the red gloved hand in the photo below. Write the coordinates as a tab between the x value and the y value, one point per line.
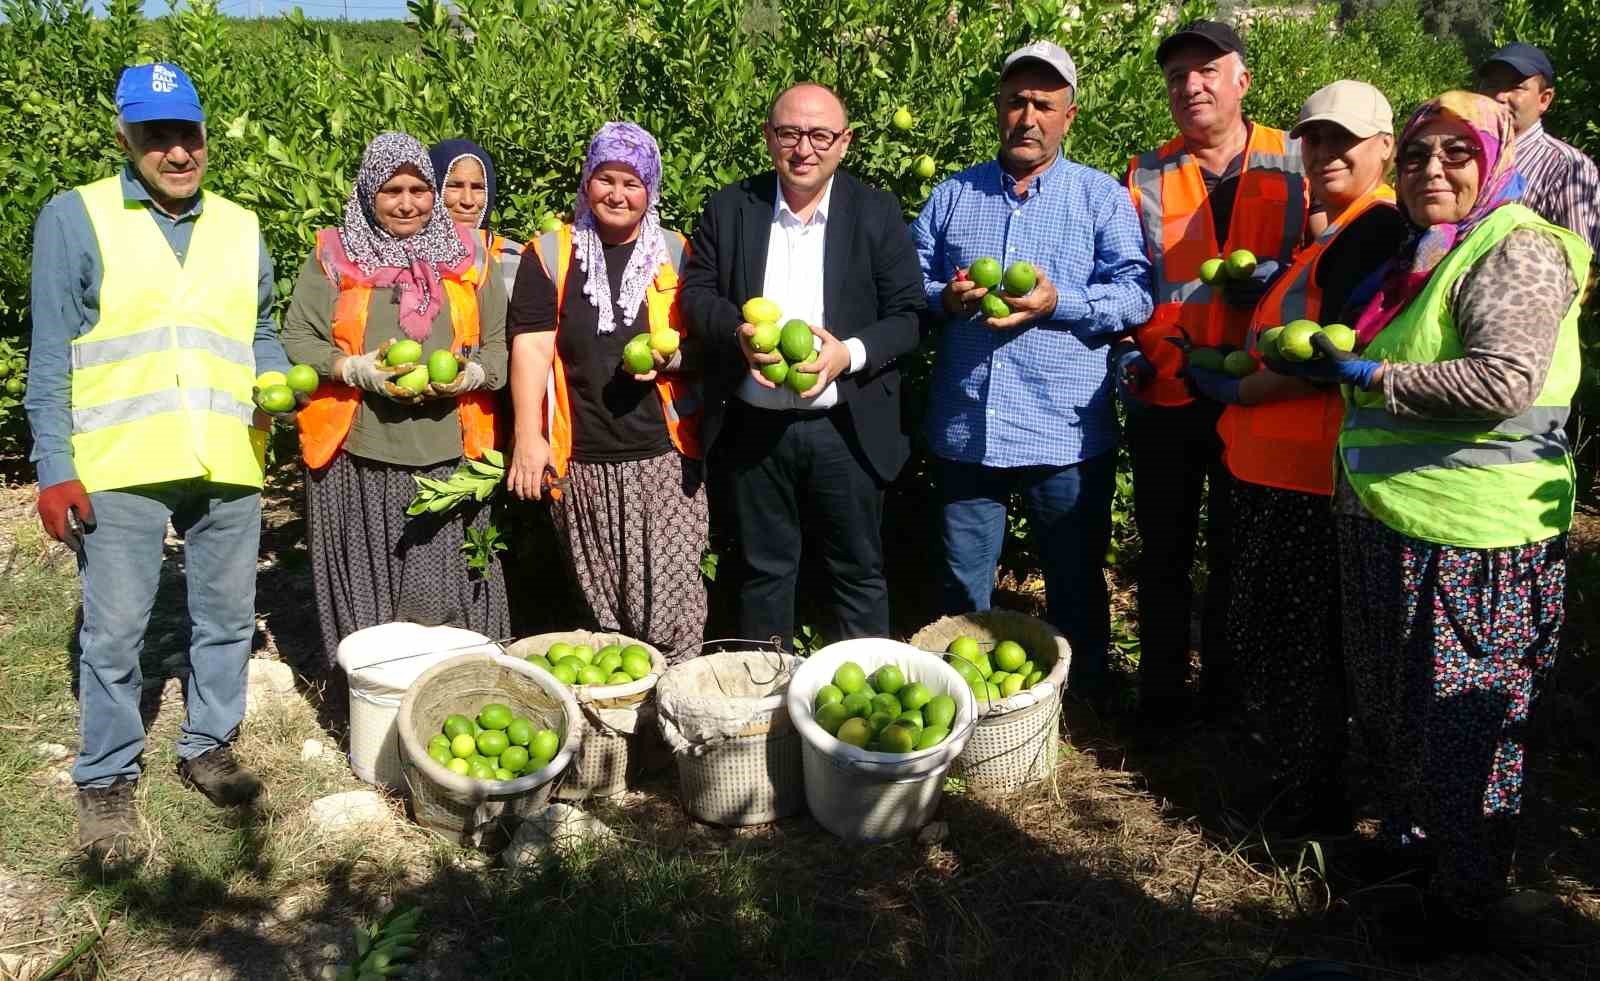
54	502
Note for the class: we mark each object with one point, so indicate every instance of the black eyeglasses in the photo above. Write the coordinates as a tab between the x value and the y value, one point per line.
821	139
1414	156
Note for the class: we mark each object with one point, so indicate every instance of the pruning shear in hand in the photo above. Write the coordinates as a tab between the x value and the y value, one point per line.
555	482
75	532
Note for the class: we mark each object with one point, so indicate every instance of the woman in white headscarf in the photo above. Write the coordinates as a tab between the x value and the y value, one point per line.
398	269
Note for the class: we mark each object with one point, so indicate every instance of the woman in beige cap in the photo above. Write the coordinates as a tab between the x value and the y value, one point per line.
1278	434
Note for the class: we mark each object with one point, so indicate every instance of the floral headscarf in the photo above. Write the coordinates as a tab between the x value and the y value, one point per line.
411	265
1403	277
447	153
630	144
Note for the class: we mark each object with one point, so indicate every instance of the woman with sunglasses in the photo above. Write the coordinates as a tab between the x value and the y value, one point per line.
1455	491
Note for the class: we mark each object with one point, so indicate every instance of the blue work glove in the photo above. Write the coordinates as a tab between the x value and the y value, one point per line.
1131	371
1331	366
1214	385
1248	292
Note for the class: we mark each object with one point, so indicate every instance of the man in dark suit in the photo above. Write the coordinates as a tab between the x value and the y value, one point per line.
809	466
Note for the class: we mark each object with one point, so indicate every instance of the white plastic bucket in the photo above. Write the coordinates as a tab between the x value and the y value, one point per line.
381	663
858	794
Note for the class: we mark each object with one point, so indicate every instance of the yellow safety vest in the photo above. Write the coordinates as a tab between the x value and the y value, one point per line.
161	385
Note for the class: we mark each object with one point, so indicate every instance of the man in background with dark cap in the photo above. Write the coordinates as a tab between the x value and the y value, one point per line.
152	315
1563	184
1222	187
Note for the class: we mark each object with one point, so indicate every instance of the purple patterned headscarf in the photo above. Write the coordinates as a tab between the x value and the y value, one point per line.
411	265
630	144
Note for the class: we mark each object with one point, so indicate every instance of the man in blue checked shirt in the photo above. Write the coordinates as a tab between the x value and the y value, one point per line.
1023	403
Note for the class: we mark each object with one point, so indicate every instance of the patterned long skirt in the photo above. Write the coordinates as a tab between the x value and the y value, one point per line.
1284	627
1447	649
634	534
372	564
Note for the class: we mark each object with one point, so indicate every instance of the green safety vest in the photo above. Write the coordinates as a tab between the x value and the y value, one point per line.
161	385
1469	483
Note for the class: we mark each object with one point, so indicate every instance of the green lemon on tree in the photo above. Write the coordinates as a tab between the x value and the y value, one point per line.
925	167
550	225
902	119
986	273
302	378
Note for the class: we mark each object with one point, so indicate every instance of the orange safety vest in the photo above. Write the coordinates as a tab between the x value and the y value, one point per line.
1289	443
680	398
1169	194
326	420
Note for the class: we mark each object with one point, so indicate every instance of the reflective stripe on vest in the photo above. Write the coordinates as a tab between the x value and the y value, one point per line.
1174	208
1466	483
325	422
1288	443
161	384
680	397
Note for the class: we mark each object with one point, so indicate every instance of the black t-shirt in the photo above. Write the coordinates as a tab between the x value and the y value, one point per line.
1355	254
1221	189
614	418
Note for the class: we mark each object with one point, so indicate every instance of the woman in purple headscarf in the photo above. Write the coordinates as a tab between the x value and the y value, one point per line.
1454	494
618	450
398	269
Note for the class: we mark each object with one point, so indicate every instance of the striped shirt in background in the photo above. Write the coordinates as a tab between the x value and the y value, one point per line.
1038	394
1563	184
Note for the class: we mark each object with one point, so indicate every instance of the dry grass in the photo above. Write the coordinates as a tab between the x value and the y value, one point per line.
1119	867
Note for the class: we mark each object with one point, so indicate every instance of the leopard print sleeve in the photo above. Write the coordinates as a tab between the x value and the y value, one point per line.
1508	309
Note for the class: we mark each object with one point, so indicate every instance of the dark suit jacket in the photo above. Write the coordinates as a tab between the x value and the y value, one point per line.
871	289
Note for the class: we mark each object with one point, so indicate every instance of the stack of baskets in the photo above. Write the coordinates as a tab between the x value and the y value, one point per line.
738	754
617	722
460	806
1017	739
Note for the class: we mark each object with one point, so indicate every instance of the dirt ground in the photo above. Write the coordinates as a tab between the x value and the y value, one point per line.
1133	865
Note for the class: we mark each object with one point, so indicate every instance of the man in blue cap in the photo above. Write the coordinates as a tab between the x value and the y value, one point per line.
1563	185
152	314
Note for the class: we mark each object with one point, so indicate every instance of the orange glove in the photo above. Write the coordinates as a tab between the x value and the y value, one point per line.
54	503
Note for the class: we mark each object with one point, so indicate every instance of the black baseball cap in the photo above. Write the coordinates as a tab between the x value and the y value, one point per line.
1212	32
1526	59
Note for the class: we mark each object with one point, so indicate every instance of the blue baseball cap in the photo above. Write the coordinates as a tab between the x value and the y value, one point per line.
157	91
1526	59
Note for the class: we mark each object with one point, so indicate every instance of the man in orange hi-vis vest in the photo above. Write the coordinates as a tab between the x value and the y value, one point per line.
1224	188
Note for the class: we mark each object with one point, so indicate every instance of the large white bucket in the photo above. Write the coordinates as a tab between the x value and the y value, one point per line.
381	663
864	796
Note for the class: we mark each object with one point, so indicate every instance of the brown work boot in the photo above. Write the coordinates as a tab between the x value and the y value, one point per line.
107	821
220	777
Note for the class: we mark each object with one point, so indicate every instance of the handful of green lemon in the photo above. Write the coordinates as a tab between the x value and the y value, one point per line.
885	713
495	746
581	664
793	342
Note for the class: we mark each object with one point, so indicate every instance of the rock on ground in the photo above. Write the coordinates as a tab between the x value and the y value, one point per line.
267	679
558	827
341	812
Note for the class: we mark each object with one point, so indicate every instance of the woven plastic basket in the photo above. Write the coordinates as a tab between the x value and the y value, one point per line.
738	755
620	736
1017	739
460	806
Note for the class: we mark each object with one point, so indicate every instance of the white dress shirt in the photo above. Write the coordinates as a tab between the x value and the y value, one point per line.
793	281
